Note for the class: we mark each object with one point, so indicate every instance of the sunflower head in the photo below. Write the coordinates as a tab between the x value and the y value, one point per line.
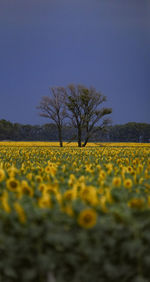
71	180
12	184
26	189
42	187
116	181
87	218
51	170
38	178
89	194
69	195
45	201
12	171
128	183
130	169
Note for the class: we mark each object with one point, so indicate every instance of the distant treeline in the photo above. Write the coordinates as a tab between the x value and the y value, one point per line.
129	132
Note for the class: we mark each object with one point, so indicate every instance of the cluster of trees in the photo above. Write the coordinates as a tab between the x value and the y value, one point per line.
130	132
78	107
75	113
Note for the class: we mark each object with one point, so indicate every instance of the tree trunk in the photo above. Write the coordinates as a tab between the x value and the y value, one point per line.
60	136
79	137
85	142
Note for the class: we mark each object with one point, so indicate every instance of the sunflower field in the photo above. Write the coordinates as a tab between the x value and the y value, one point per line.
74	214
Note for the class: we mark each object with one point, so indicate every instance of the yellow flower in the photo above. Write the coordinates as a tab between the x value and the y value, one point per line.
147	185
130	169
88	168
45	201
102	202
89	194
99	167
12	184
12	171
42	187
136	203
52	187
102	175
2	174
20	212
51	169
109	167
141	180
25	189
116	181
127	183
108	195
100	190
87	218
78	186
71	180
81	179
38	178
124	171
4	200
146	173
139	168
69	195
68	210
58	197
29	176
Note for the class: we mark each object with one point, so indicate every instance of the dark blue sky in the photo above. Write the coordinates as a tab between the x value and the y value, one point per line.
104	43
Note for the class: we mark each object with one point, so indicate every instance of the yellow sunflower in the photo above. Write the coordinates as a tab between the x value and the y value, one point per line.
26	189
128	183
136	203
12	171
67	209
38	178
71	180
2	174
12	184
116	181
4	201
87	218
45	201
52	187
130	169
102	175
42	187
58	197
20	212
89	195
69	195
50	170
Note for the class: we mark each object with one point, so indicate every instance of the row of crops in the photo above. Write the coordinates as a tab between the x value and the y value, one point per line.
74	214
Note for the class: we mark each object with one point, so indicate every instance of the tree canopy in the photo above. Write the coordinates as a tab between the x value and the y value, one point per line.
79	105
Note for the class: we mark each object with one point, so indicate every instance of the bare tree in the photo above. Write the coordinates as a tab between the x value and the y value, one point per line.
85	112
73	104
53	107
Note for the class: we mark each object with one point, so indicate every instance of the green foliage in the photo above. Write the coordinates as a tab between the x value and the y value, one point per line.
85	111
130	132
116	249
